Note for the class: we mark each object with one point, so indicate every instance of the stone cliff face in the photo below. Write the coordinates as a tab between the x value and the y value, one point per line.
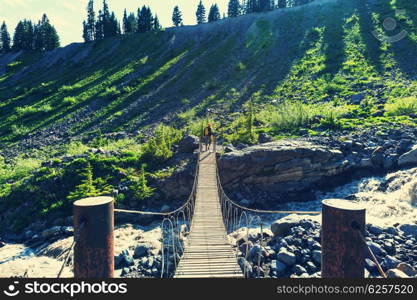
283	167
289	170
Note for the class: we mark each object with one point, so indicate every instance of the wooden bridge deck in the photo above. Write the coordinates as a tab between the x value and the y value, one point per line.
208	253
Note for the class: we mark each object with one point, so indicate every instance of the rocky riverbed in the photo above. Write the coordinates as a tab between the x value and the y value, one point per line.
372	168
292	248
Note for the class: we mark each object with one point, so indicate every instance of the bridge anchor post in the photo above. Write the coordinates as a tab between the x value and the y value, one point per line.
343	251
93	233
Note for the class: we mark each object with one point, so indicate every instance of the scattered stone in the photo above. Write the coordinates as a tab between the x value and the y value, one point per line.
407	269
281	227
408	158
142	250
188	144
374	229
297	269
278	267
286	257
409	229
395	273
390	262
317	256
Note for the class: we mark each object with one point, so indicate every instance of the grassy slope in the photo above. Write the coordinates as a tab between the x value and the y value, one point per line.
313	53
296	64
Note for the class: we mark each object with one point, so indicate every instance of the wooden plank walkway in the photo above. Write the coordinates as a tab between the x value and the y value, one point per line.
208	253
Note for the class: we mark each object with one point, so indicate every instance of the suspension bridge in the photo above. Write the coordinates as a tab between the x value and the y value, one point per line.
208	252
195	240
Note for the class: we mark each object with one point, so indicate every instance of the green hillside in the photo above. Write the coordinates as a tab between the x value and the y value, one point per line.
307	70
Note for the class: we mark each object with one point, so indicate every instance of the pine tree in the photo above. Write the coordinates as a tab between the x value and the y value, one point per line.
156	25
4	38
28	35
177	16
18	37
282	3
200	13
52	38
99	28
125	21
85	32
214	14
252	6
45	36
145	19
265	5
233	9
91	21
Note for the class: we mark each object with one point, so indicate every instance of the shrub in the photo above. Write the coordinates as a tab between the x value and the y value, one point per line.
159	146
402	106
69	101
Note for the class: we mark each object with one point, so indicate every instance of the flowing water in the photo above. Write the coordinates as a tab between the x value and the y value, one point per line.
388	199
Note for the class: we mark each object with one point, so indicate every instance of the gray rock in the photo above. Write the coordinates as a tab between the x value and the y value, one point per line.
282	226
286	257
142	250
50	232
245	247
376	248
409	229
390	262
376	230
370	265
311	267
366	163
357	98
124	259
297	269
278	267
395	273
407	269
264	138
408	158
188	144
317	256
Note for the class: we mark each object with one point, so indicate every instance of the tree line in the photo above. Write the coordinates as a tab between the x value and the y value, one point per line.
40	36
105	24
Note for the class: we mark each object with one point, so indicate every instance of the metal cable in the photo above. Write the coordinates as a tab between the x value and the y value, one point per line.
355	225
71	248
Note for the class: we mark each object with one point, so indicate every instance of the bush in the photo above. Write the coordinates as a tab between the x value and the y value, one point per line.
159	147
69	101
401	106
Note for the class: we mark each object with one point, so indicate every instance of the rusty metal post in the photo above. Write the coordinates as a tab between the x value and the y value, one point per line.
94	247
343	252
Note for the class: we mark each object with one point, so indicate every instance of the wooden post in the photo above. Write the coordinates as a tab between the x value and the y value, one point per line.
93	229
343	251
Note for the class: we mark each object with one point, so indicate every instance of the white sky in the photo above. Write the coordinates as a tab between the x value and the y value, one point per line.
67	15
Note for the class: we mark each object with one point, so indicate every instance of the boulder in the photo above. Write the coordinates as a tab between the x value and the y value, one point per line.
317	256
286	257
390	262
395	273
298	270
264	138
407	269
281	227
50	232
409	229
142	250
188	144
278	267
408	158
376	230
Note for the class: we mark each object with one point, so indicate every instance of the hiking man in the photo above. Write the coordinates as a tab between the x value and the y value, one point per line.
207	135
